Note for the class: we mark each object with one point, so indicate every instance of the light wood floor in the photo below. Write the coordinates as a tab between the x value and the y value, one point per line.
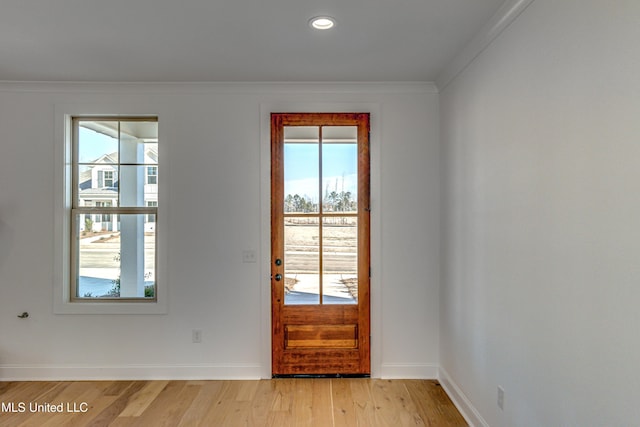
278	402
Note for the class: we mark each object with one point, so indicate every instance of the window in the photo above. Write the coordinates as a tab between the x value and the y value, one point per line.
113	251
108	178
152	174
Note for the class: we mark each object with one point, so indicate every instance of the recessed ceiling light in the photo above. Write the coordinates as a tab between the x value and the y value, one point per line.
322	22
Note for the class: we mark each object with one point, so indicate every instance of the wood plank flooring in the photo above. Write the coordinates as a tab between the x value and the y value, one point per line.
286	402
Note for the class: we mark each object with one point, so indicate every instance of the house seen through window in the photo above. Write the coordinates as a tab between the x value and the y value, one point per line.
114	208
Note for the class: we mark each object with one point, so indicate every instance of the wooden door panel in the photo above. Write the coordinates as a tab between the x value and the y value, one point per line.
320	336
332	364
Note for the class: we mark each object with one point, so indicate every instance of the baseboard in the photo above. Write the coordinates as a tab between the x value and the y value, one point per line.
130	372
464	405
409	371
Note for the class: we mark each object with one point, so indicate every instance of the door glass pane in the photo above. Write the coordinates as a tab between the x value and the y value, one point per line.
340	168
340	260
301	169
302	260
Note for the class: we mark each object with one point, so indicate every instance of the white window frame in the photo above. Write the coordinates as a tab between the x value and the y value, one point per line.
103	210
64	303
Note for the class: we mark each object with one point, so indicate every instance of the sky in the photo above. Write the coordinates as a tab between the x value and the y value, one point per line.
94	144
339	172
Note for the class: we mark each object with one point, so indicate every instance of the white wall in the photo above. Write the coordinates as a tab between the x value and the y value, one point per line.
541	238
213	166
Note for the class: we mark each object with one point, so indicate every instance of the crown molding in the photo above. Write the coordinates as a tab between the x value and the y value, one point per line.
499	22
220	87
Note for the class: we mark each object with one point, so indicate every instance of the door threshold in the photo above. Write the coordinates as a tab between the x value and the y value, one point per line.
276	376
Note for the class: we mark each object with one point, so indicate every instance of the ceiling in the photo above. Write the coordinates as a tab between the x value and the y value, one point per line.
234	40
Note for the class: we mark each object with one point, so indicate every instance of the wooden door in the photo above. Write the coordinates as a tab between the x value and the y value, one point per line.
320	244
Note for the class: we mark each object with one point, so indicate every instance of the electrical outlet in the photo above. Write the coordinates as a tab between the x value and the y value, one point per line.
196	336
500	398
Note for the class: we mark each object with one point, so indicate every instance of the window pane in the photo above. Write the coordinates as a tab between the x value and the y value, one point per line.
301	169
340	260
97	182
98	256
138	142
134	186
302	261
97	142
340	168
117	261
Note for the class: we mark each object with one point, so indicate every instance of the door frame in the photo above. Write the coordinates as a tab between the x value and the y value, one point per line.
348	351
266	108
